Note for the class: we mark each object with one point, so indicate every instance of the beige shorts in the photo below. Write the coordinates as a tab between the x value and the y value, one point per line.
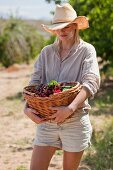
73	135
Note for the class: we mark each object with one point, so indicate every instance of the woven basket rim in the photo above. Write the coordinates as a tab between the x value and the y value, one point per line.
51	95
42	104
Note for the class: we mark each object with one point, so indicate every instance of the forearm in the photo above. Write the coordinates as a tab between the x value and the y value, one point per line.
79	100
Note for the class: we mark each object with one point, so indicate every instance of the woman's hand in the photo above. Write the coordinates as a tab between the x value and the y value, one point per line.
33	115
61	114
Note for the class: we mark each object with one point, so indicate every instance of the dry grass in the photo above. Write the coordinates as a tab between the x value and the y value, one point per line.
17	131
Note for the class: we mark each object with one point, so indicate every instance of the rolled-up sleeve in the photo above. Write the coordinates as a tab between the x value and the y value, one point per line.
90	71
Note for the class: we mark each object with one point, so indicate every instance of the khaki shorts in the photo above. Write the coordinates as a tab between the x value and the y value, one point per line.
73	135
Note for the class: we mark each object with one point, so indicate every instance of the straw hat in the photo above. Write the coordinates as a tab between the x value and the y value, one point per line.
65	15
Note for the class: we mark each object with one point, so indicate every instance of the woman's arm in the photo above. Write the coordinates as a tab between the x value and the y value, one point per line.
35	79
80	99
64	112
33	114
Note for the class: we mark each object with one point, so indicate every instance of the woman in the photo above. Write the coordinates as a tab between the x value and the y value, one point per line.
67	59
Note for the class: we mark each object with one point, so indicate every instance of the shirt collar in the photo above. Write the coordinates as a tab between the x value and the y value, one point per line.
75	45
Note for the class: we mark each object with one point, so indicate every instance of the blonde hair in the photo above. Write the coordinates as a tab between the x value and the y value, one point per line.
77	37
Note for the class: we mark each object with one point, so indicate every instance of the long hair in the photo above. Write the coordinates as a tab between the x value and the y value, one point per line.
77	37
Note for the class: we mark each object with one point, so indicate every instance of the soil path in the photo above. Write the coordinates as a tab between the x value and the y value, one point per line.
16	130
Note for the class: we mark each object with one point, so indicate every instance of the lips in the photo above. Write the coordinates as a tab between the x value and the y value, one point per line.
63	35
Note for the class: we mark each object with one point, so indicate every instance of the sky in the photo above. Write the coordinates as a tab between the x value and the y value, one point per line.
28	9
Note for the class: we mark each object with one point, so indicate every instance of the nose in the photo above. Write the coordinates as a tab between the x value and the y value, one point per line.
61	30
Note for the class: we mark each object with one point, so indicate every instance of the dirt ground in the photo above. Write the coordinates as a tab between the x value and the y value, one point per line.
16	130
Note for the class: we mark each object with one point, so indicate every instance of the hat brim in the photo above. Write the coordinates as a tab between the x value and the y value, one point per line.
81	21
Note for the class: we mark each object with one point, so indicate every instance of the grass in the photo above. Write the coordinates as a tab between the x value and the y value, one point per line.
18	96
12	105
21	168
103	102
101	155
59	152
22	142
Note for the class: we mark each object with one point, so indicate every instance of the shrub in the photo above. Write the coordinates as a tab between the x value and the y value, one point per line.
19	42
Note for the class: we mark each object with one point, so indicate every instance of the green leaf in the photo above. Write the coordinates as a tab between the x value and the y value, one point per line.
53	82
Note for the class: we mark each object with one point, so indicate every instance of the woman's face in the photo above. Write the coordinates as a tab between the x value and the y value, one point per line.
67	33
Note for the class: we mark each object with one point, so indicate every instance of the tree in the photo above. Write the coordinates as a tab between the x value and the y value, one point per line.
100	33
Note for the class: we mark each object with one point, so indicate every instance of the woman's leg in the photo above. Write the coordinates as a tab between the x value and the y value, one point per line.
71	160
41	157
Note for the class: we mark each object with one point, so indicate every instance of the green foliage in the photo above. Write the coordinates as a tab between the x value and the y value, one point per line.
18	96
103	102
19	42
59	152
50	40
53	82
101	157
21	168
100	33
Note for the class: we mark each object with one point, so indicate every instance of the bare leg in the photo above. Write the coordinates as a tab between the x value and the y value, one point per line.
41	157
71	160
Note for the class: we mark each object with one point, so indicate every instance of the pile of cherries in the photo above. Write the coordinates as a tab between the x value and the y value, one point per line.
44	90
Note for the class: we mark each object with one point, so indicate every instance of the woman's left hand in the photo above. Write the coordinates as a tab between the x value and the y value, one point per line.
61	114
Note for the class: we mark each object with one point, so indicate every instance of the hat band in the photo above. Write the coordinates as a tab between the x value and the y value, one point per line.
62	21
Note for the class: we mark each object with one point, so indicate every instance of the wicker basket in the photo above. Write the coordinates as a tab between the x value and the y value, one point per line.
43	104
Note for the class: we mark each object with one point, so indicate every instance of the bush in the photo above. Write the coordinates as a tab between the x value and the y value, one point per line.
19	42
50	40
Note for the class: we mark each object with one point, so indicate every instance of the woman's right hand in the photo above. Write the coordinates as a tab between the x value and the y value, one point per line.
33	115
